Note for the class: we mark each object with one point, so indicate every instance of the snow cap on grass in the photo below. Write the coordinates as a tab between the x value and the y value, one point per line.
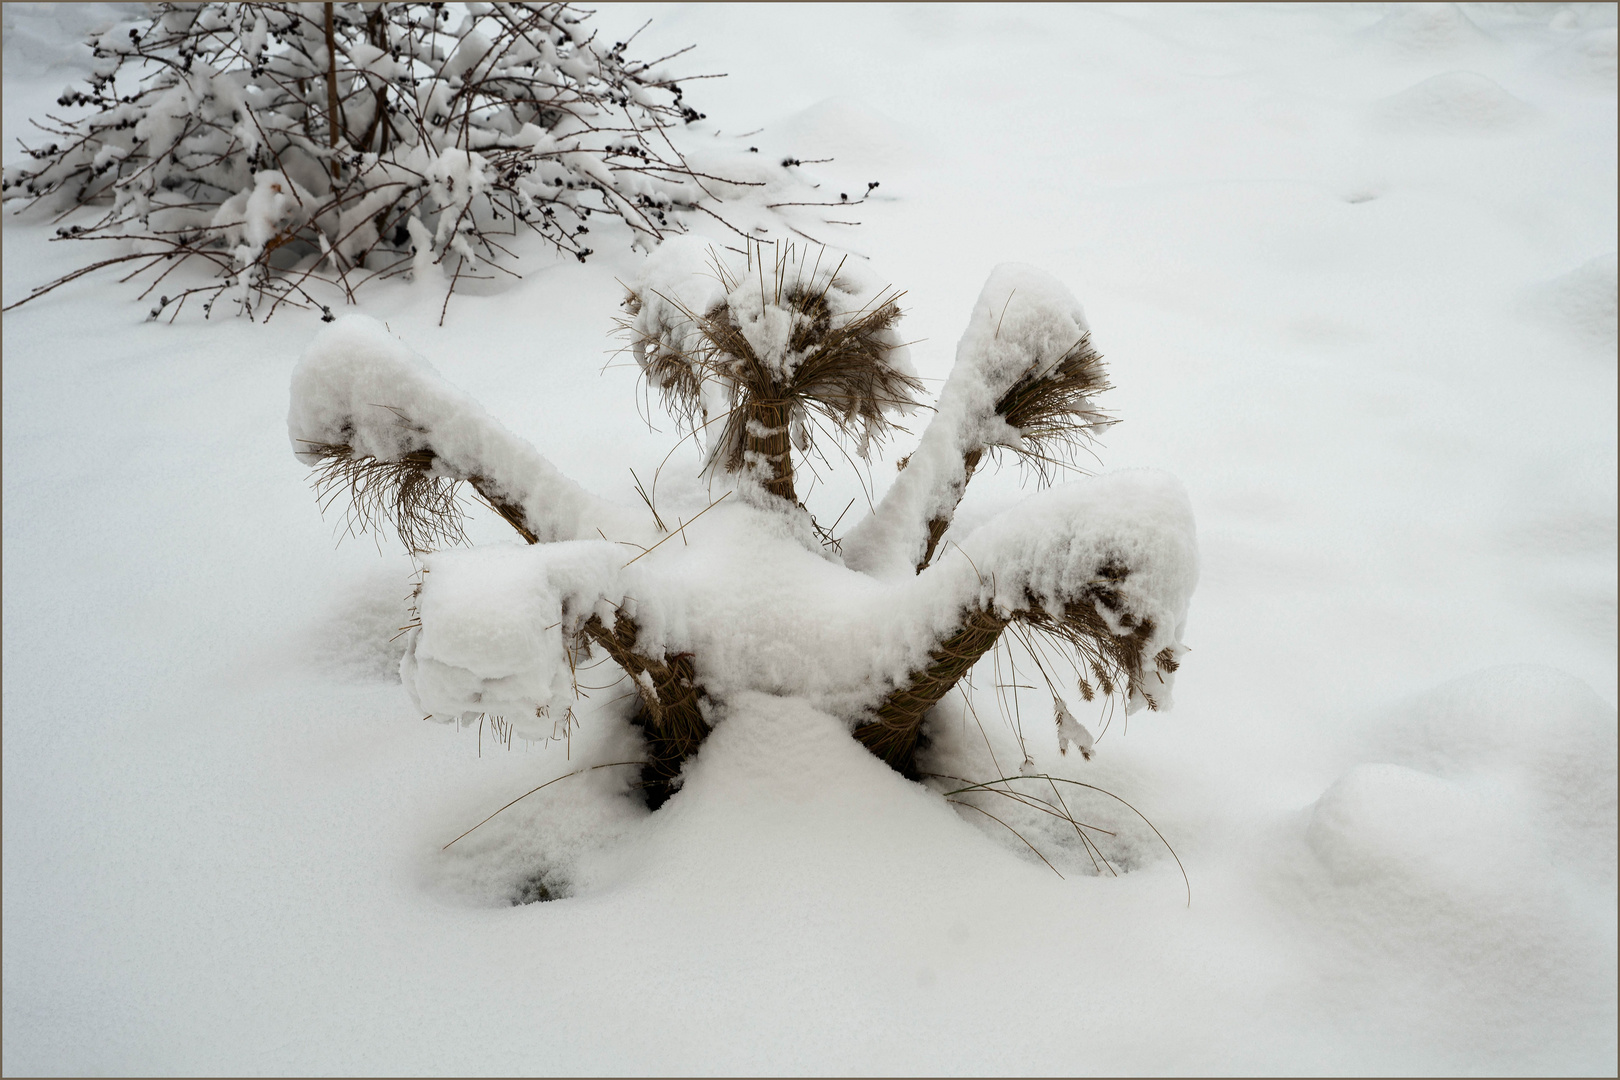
1050	549
760	354
358	386
677	282
1024	323
493	624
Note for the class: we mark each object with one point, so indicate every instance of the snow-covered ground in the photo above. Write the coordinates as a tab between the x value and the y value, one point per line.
1353	271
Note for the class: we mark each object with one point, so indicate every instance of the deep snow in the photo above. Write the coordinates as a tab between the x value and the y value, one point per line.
1353	273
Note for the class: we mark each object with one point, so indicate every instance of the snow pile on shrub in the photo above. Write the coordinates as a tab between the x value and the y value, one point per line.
758	611
284	145
753	598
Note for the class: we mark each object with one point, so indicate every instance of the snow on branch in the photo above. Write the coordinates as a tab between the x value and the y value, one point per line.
301	150
1106	566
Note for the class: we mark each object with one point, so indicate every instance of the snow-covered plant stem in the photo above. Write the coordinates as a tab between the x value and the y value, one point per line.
384	428
1112	642
892	732
671	712
1025	372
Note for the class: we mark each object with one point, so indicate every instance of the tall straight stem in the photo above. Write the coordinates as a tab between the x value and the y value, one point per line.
331	89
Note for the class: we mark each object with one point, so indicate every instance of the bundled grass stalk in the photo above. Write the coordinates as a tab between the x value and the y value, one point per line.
1119	661
671	713
833	366
1051	409
892	732
409	493
940	522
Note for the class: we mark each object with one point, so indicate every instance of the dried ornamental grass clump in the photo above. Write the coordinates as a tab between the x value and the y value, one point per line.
759	361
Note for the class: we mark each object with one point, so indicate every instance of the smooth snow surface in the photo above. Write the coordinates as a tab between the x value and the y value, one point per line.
1352	269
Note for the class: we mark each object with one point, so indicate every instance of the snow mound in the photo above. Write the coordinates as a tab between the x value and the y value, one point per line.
780	796
1420	31
1456	103
1583	302
847	131
1589	60
1542	733
1413	833
1473	867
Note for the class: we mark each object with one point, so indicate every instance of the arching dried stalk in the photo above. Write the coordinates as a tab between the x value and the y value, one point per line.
1051	409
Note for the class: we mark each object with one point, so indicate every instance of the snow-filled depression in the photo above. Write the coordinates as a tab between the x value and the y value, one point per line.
1102	562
